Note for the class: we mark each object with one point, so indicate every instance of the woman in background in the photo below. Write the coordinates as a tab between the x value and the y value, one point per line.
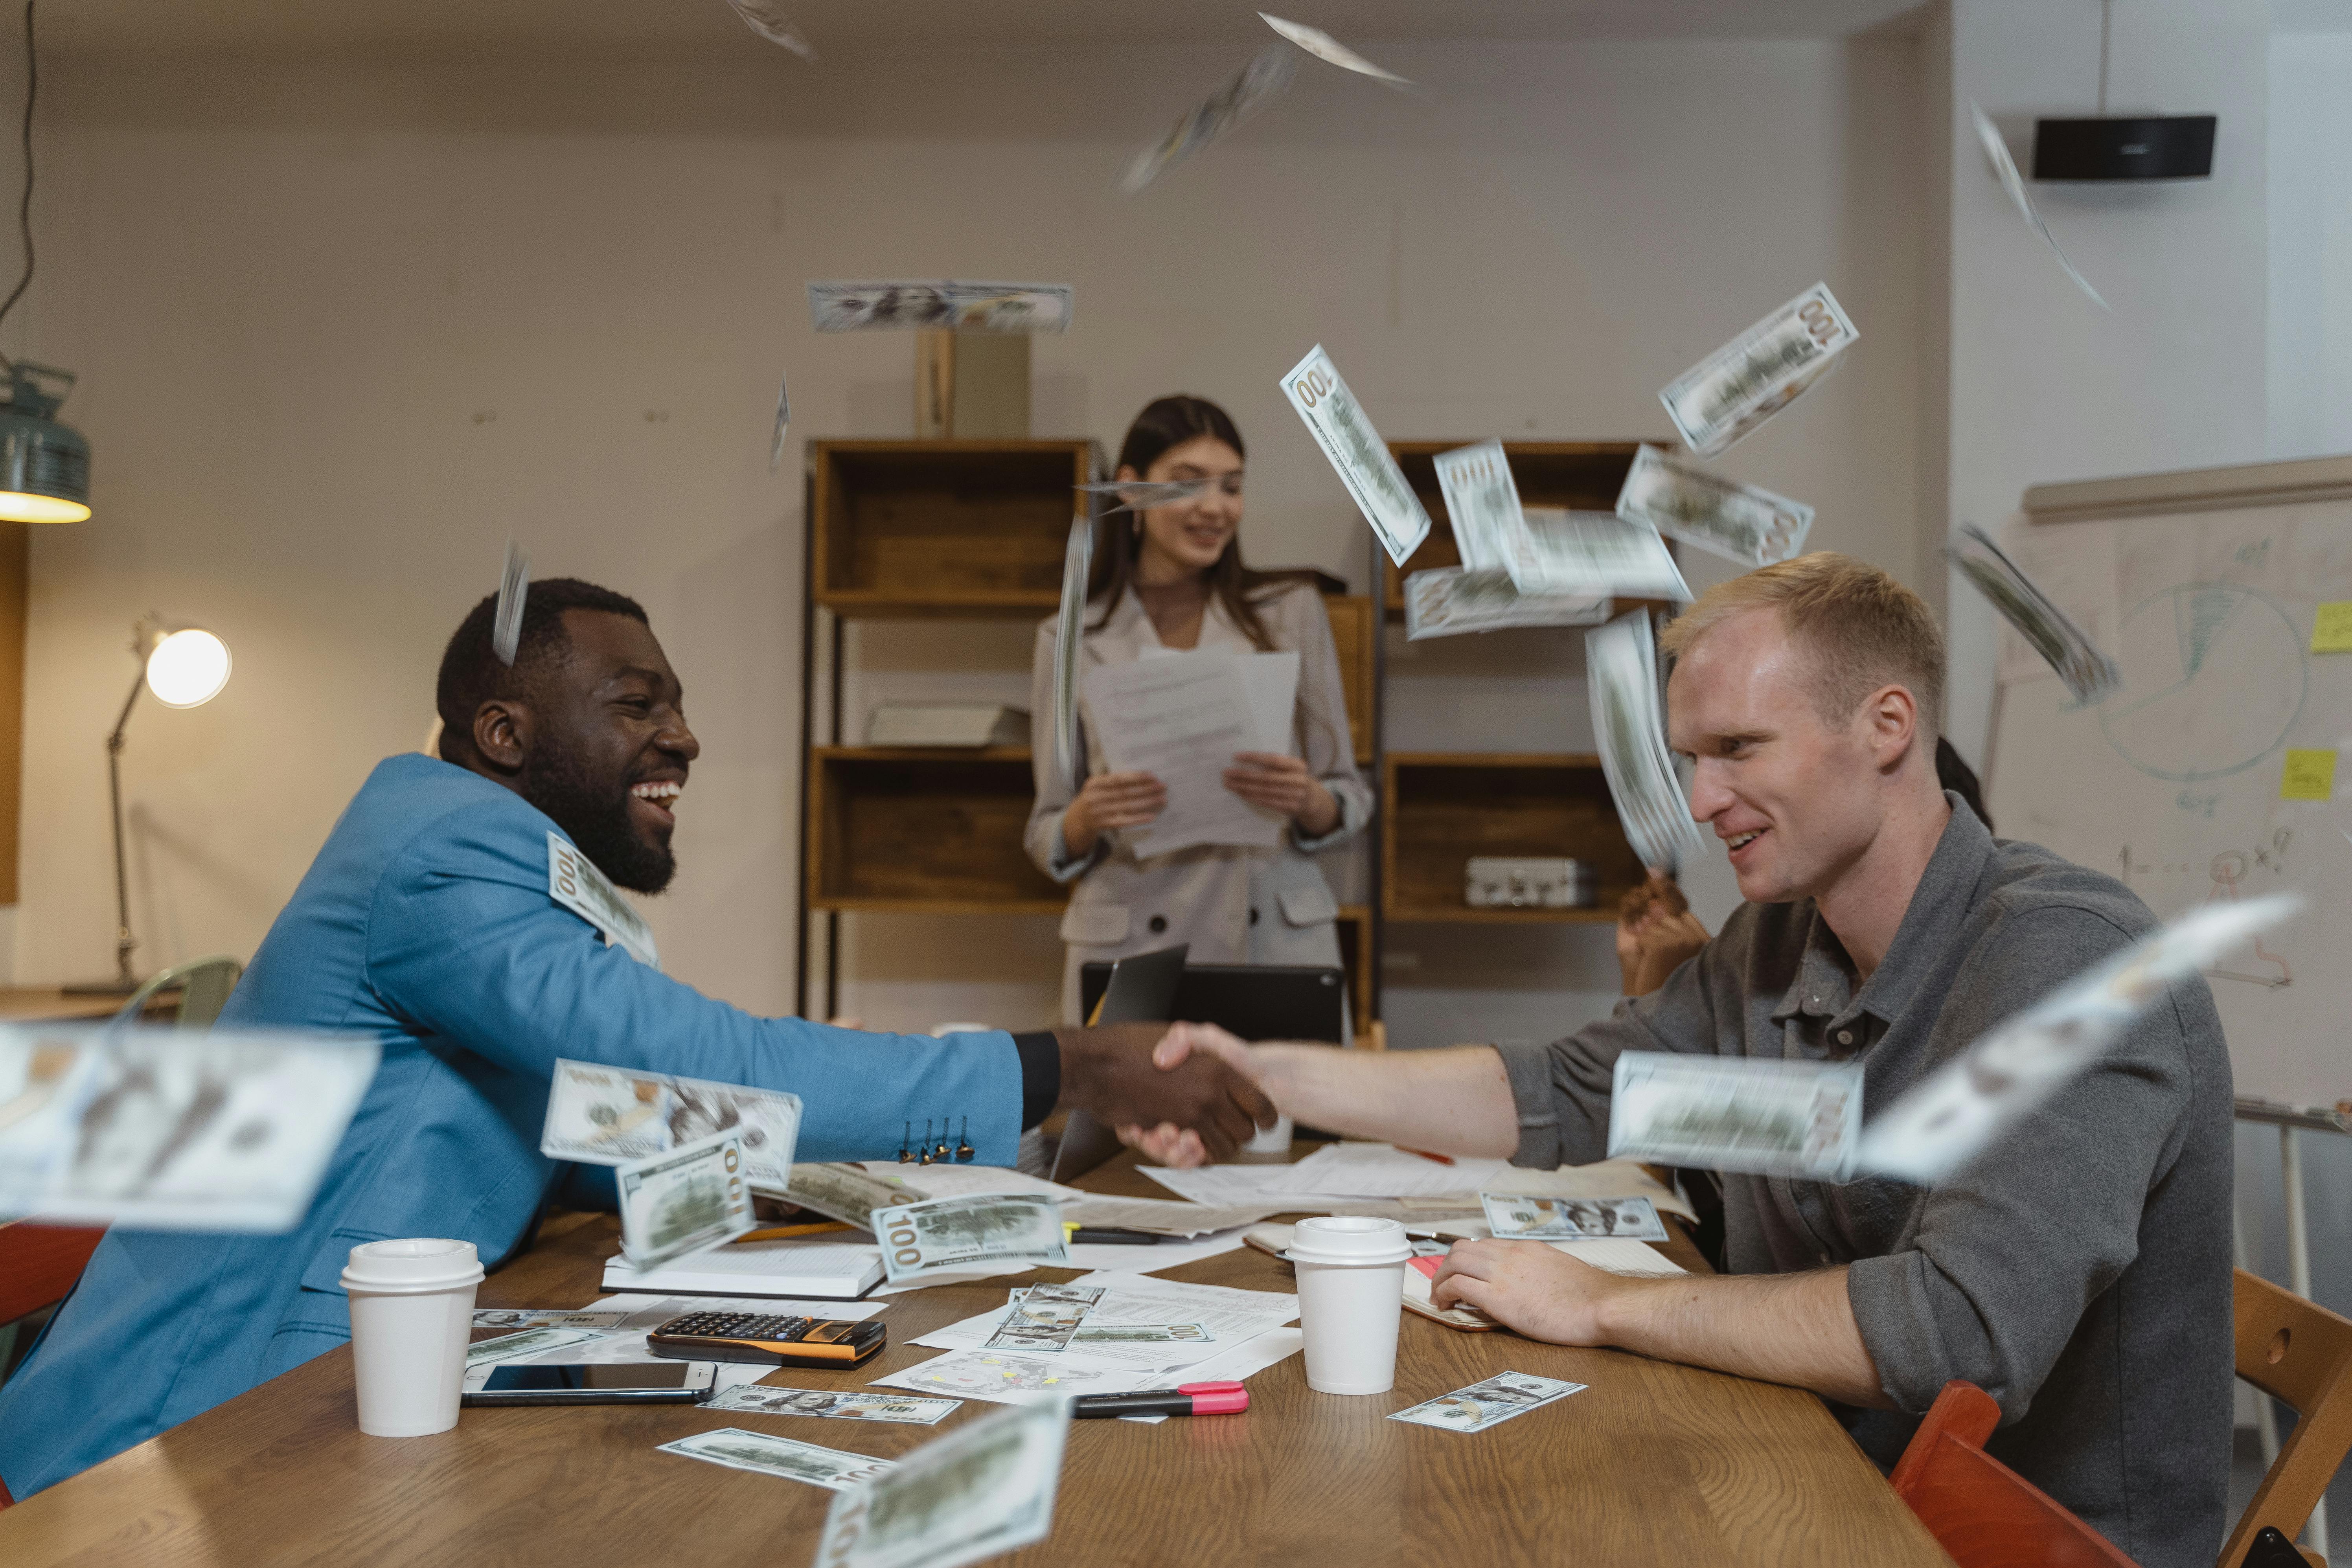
1170	579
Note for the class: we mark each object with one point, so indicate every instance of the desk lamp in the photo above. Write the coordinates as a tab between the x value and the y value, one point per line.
185	667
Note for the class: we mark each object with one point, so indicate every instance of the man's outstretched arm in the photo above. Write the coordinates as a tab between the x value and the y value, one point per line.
1454	1101
1797	1329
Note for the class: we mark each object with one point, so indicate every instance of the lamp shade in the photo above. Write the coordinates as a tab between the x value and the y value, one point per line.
44	464
187	669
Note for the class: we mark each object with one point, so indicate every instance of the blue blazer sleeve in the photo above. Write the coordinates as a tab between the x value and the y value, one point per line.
464	939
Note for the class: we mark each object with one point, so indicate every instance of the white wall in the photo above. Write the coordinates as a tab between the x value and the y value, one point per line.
2311	243
343	328
2043	384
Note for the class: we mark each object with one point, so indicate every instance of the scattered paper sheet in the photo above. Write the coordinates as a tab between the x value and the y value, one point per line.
1164	1254
1381	1171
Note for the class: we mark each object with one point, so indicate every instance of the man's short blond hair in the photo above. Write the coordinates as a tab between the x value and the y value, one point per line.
1861	629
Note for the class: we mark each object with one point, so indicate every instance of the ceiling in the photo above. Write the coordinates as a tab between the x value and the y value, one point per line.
707	26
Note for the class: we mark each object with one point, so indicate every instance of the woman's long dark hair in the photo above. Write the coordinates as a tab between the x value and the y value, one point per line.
1170	422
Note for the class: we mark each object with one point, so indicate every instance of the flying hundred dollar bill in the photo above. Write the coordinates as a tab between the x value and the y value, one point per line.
2089	674
1553	550
1628	726
1759	373
606	1115
1956	1112
167	1130
2013	185
1070	644
1357	454
967	1231
1752	526
944	304
1758	1115
1326	47
683	1200
1482	502
1232	103
1449	602
768	19
985	1489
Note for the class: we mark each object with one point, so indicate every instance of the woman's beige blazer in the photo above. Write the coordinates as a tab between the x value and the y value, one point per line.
1230	904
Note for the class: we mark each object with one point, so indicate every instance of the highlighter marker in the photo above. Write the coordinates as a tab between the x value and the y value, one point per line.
1191	1399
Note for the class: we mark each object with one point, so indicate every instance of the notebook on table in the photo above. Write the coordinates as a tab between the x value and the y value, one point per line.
824	1270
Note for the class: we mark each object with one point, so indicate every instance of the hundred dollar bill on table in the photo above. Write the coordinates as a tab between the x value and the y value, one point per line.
844	1192
967	1231
1357	454
1750	1114
545	1318
835	1405
2089	674
982	1490
684	1200
1552	550
1752	526
1450	602
163	1130
940	304
1629	727
530	1341
1488	1403
607	1115
1232	103
1143	1334
1956	1112
1044	1318
1519	1216
768	1456
1759	372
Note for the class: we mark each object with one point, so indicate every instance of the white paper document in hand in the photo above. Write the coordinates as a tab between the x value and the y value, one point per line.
161	1130
1182	719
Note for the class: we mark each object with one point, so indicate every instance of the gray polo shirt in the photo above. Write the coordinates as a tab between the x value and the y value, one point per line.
2078	1271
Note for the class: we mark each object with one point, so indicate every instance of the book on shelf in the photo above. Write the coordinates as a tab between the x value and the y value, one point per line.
971	724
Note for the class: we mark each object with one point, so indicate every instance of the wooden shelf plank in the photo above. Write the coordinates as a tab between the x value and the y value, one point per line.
1442	808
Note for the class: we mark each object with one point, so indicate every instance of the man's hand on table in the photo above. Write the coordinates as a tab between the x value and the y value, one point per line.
1201	1110
1537	1290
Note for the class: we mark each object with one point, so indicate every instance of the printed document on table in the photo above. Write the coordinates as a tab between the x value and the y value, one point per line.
1381	1171
1182	719
1170	1254
1237	1185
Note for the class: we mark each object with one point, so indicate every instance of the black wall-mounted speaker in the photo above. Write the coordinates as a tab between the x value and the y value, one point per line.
2176	147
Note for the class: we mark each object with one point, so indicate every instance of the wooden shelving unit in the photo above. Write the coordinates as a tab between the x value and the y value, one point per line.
1584	476
960	530
1442	808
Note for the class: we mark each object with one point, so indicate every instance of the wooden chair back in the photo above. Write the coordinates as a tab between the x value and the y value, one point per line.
39	1263
2299	1353
1978	1509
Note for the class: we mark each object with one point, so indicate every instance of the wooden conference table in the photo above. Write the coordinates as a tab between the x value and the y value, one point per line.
1652	1464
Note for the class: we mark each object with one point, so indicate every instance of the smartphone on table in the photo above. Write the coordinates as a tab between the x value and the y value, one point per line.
594	1383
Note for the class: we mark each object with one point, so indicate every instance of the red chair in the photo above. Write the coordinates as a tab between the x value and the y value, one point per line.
1978	1509
38	1266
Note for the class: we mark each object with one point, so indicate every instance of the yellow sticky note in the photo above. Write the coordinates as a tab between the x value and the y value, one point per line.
2331	631
2310	775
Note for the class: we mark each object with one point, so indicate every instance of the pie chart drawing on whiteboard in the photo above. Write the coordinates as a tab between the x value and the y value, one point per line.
2214	677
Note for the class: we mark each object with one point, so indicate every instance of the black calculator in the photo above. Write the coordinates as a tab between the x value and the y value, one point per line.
768	1340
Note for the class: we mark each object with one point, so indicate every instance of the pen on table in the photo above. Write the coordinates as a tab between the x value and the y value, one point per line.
1440	1159
1110	1235
1190	1399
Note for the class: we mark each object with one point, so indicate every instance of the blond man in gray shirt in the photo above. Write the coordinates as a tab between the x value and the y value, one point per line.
2078	1271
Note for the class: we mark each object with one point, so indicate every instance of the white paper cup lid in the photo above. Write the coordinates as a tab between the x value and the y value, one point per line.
1349	1238
412	1263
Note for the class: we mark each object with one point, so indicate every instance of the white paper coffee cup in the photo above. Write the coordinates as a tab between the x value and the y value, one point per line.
1350	1295
1275	1140
412	1317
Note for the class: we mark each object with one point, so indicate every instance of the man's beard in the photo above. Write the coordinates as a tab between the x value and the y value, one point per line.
597	819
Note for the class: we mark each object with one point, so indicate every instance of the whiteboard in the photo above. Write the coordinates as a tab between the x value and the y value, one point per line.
2205	594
